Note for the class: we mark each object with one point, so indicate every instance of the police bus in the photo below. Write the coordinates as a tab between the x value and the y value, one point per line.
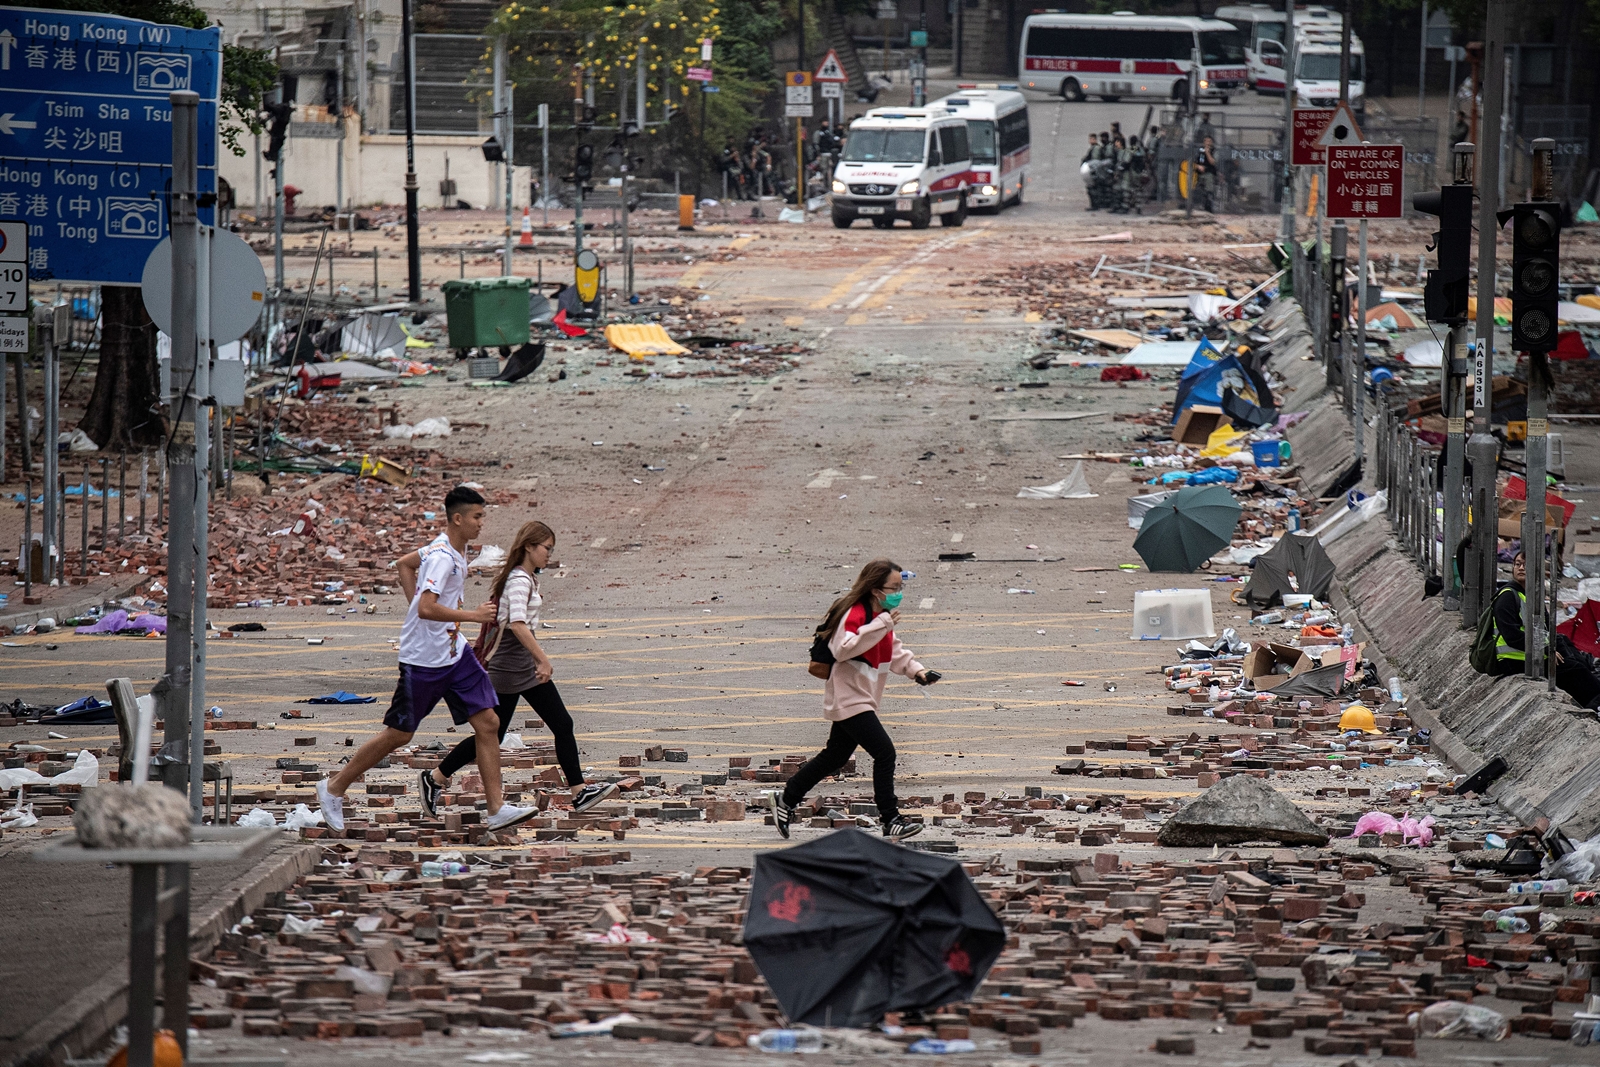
1263	29
997	135
1112	56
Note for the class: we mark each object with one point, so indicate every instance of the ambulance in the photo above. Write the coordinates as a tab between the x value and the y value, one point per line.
907	163
997	134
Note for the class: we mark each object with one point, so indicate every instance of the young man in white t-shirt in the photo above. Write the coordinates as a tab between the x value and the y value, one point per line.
437	664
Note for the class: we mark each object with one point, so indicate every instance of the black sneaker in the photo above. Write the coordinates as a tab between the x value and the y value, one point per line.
782	814
898	828
429	791
592	794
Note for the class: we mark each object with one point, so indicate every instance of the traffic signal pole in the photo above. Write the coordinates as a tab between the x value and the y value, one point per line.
1454	367
1482	450
1445	300
1535	288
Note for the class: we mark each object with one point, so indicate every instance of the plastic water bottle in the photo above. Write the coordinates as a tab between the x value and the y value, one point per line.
1511	924
216	711
1293	524
1550	885
434	869
1395	693
1453	1019
932	1046
787	1041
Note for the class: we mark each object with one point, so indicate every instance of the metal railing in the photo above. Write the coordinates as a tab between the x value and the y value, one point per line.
1399	461
1407	467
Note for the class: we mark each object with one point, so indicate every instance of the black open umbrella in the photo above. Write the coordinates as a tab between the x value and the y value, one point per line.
1300	554
849	926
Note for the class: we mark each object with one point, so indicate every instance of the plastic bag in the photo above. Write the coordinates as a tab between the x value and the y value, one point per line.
257	818
1578	866
302	817
365	981
1465	1022
1417	833
512	742
1376	822
18	818
293	924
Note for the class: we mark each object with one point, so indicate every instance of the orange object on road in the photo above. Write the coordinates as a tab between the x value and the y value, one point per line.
685	212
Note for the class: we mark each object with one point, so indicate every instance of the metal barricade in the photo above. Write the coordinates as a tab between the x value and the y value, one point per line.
1407	469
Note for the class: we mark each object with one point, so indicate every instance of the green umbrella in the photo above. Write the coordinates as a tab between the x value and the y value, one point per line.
1184	530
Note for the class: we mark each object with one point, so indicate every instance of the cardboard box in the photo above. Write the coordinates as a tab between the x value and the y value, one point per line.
1195	424
1269	660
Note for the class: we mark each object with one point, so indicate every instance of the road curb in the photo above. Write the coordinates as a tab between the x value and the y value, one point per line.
80	1024
19	619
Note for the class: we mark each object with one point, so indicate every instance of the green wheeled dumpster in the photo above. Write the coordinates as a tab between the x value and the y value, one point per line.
487	312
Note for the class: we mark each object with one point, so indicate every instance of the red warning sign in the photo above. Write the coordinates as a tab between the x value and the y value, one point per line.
1366	181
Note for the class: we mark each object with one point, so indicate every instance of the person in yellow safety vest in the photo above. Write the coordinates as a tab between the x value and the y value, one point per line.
1509	639
1577	674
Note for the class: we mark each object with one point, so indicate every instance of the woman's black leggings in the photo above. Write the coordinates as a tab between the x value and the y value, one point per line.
546	702
866	731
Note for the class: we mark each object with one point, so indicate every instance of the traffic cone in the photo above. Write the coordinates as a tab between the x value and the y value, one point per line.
527	229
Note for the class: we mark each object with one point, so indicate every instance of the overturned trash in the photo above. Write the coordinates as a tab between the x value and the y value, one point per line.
848	927
1239	809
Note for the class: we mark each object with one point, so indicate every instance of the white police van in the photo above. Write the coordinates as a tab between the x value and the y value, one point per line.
904	163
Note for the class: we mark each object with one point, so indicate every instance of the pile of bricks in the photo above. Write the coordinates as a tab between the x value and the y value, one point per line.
538	937
1213	757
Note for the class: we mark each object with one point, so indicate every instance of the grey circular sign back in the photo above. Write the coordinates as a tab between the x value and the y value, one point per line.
238	286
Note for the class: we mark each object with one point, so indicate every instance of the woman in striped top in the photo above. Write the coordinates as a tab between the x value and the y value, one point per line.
519	669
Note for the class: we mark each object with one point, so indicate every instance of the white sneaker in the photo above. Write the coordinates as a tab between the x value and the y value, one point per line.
332	806
510	815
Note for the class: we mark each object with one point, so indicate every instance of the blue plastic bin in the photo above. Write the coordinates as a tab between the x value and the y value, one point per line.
1267	453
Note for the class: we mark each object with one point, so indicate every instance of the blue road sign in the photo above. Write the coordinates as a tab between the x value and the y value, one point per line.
86	135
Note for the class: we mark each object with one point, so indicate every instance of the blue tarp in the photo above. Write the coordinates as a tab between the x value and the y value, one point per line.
1208	376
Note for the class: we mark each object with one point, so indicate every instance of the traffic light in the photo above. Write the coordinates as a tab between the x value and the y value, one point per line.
1445	298
1535	273
583	168
277	128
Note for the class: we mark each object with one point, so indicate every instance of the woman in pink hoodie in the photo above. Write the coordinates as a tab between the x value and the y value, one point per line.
860	634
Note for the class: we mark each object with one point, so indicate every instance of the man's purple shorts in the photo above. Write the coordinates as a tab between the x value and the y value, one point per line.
464	686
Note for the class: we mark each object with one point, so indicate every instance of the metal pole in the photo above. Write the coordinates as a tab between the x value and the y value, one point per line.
49	348
1288	126
502	109
200	554
1344	53
83	516
1338	242
408	48
1422	65
142	921
105	502
122	496
144	485
172	690
24	423
1358	369
1482	450
544	171
1454	402
27	537
1536	456
277	209
338	167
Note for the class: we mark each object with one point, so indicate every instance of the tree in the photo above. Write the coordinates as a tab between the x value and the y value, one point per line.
546	41
122	411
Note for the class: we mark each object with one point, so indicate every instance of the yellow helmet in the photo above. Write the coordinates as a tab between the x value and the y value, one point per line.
1358	717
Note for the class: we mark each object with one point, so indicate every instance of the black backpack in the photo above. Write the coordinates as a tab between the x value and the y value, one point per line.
1482	657
822	659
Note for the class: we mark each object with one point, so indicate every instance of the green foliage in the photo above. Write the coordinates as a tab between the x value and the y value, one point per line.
547	42
247	73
